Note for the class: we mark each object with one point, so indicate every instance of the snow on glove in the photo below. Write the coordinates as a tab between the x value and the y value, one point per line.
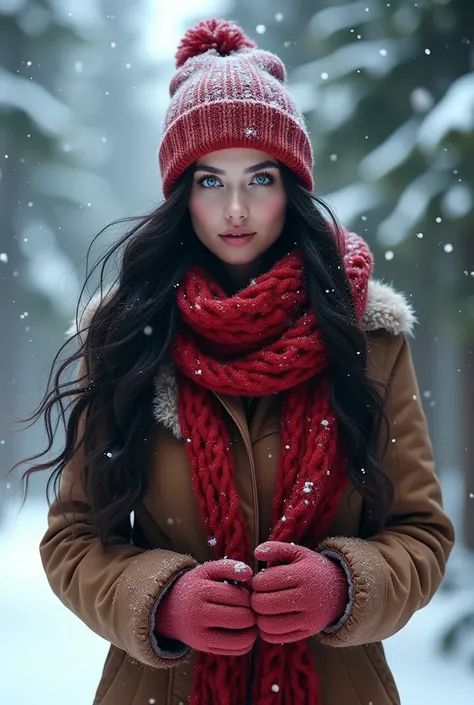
208	614
299	598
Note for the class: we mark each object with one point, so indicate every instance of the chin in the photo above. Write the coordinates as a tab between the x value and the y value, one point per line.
241	255
239	259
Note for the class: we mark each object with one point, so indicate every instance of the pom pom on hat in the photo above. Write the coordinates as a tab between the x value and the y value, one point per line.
225	37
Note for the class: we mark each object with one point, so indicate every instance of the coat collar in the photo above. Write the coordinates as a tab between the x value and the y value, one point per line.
387	309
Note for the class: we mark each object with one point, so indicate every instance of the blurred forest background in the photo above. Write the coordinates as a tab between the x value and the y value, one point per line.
388	92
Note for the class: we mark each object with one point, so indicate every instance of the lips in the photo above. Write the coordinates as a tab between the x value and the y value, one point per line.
237	232
237	237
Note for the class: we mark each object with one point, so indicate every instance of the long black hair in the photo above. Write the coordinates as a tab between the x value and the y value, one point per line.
107	412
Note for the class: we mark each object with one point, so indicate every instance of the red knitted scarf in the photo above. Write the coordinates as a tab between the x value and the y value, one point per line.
264	340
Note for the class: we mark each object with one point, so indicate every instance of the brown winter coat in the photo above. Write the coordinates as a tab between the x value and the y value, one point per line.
392	574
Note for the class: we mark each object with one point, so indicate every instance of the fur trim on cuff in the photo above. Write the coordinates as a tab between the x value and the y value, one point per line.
338	558
165	647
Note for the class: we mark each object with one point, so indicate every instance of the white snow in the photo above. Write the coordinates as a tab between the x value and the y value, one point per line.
352	201
240	567
363	55
390	154
411	207
50	115
49	657
457	201
421	100
49	269
83	18
334	19
453	113
10	7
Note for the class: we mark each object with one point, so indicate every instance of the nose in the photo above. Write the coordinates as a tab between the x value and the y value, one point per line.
236	209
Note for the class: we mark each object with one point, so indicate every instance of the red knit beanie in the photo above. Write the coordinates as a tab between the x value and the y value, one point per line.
228	93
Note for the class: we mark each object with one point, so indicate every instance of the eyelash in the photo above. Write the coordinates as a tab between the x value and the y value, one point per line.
213	176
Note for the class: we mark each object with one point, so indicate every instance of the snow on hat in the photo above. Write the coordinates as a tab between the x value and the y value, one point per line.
228	93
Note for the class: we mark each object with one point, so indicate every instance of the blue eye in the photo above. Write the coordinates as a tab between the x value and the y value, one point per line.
213	179
210	181
263	179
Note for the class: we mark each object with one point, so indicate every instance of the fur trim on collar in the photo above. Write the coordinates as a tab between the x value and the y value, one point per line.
80	325
387	309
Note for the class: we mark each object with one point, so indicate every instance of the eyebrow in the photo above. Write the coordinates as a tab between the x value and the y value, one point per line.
248	170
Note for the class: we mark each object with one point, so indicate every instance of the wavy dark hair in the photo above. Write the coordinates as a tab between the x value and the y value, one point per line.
113	397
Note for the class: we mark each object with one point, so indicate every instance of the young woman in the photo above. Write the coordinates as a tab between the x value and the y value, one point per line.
247	501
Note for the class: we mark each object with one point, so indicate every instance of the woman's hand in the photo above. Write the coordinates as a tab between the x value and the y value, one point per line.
299	598
206	610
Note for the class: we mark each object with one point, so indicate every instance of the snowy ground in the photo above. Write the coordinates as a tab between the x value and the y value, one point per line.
48	657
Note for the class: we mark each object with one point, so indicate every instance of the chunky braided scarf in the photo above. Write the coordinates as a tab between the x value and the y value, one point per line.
263	340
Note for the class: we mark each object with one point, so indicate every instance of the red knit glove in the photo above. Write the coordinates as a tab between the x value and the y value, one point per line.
207	614
300	598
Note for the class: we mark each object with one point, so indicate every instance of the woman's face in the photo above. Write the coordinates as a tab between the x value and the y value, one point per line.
237	204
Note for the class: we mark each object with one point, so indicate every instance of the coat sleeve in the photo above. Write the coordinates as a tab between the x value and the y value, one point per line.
396	572
115	590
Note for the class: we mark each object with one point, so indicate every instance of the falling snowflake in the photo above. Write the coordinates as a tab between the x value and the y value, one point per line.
240	567
421	100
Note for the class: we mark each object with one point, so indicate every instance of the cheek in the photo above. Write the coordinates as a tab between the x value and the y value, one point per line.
200	215
273	209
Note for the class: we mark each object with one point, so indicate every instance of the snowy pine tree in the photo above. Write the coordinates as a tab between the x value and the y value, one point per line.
391	94
391	90
40	195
